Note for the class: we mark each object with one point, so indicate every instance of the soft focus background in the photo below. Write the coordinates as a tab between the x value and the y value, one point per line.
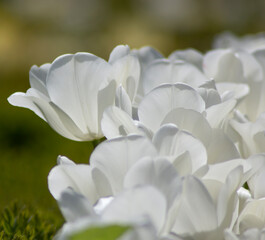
37	31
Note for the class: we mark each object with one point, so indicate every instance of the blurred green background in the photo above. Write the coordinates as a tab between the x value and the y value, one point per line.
37	31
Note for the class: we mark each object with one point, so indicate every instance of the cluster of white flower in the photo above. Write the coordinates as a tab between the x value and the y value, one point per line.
185	151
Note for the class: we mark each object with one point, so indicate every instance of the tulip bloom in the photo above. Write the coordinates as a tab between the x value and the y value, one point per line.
72	92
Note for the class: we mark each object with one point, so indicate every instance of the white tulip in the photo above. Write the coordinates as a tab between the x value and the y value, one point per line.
252	215
251	134
200	216
249	43
241	73
163	71
189	55
135	208
72	92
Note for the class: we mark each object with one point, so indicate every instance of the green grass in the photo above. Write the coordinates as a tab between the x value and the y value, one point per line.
21	222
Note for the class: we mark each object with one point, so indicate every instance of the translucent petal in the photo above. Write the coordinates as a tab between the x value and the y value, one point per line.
116	156
76	176
138	205
160	101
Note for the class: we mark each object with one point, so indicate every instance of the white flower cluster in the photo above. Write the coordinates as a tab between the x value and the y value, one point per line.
185	151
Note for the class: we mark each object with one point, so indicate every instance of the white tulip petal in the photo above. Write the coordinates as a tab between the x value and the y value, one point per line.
243	196
196	211
210	96
239	90
256	163
248	43
38	103
75	206
20	99
252	216
126	72
76	176
147	55
252	68
64	160
252	135
138	204
69	124
102	203
259	139
259	55
170	141
254	104
223	66
252	233
131	86
119	52
73	83
258	191
230	235
213	187
116	122
220	171
143	129
105	99
221	148
226	40
183	164
256	182
54	117
166	71
210	84
159	173
160	101
116	156
101	182
39	74
37	77
189	120
188	55
226	205
216	114
123	101
244	131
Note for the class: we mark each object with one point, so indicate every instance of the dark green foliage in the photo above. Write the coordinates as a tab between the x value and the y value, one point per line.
19	222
